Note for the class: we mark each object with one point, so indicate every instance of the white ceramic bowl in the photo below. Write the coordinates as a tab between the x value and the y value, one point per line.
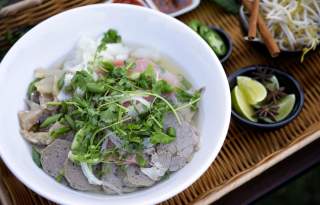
51	40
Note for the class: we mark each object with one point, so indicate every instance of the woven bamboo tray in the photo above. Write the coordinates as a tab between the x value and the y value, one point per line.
246	153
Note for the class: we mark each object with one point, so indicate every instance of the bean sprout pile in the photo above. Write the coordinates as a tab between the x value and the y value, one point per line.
295	24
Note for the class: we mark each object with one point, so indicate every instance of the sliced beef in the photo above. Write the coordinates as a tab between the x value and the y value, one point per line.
32	105
114	176
29	118
135	178
183	147
39	138
76	179
54	156
45	85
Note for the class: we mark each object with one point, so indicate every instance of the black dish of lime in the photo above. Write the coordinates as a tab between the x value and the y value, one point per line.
265	97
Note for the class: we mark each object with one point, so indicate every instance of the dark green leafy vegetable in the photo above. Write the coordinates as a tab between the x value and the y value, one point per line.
36	157
32	87
140	160
171	131
59	131
61	82
231	6
161	138
161	87
111	36
60	176
50	120
131	108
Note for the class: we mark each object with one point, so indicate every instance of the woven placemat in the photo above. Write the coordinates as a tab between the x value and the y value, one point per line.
246	152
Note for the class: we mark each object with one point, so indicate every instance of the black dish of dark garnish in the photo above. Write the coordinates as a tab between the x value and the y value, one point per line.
285	79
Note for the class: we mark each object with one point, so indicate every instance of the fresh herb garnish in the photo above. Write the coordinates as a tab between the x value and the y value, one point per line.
60	176
36	156
161	138
131	108
59	131
32	87
50	120
111	36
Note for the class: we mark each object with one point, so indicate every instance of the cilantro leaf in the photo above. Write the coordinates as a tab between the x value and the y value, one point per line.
161	138
111	36
161	87
36	157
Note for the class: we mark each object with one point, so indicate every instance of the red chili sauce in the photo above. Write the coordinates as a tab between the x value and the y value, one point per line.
170	6
134	2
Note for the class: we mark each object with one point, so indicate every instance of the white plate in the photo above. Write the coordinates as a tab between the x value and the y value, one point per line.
193	5
49	42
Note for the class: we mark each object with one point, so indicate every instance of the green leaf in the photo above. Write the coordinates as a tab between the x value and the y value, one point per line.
140	160
32	87
36	157
182	95
161	138
185	83
171	131
147	78
50	120
60	82
231	6
95	88
59	131
70	121
109	115
80	80
161	87
107	65
60	176
111	36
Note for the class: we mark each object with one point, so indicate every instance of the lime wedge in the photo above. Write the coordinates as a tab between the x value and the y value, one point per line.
286	105
273	84
240	104
253	90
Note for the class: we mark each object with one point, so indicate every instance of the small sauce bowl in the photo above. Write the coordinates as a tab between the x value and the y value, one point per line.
291	86
226	39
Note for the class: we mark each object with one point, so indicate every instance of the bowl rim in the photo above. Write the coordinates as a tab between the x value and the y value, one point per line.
222	131
288	119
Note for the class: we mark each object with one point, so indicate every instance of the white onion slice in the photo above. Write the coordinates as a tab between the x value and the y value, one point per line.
92	179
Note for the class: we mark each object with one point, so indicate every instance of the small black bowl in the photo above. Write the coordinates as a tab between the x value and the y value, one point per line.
291	85
226	39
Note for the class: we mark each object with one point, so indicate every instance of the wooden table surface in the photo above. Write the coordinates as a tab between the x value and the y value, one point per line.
276	176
